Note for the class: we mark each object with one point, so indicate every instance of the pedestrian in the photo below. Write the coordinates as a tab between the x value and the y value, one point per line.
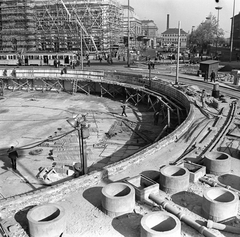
124	110
5	72
13	155
156	117
13	73
55	62
203	98
65	69
88	62
206	76
212	76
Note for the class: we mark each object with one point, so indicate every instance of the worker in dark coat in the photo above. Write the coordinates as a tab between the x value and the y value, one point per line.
13	155
212	76
124	110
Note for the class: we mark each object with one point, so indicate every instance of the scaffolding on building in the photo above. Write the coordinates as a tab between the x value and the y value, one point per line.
17	25
60	25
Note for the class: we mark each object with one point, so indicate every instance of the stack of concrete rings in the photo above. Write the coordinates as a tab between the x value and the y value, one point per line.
46	220
118	199
160	224
217	163
219	204
174	179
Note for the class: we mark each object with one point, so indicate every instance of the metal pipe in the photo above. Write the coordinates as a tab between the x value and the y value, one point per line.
168	207
80	146
215	183
223	227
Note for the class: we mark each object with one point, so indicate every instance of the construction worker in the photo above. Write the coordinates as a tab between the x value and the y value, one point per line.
124	110
13	155
203	98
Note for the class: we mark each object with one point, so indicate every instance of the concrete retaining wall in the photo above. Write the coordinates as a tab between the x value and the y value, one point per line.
61	191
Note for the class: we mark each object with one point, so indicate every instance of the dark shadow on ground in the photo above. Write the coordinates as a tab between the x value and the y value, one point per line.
235	153
152	174
191	201
94	196
21	217
128	225
230	180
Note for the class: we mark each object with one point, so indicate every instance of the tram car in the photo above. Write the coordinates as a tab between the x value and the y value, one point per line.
37	58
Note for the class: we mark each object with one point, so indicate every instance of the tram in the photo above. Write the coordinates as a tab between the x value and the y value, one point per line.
37	58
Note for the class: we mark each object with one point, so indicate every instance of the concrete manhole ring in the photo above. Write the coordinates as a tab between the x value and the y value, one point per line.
217	163
219	204
174	179
118	199
160	224
47	220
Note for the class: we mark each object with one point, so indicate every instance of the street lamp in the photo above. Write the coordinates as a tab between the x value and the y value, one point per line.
218	9
83	133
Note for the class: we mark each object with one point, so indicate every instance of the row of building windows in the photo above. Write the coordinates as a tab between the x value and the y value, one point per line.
174	39
173	35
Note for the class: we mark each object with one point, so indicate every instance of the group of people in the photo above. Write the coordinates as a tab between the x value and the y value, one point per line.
212	76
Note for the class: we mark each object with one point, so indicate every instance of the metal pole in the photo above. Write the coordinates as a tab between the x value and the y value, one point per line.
80	146
84	160
128	49
232	30
149	66
178	51
81	50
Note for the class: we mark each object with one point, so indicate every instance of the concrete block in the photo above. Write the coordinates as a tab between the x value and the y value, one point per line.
195	171
143	186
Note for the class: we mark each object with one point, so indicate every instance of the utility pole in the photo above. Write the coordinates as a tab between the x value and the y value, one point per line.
232	30
128	49
81	49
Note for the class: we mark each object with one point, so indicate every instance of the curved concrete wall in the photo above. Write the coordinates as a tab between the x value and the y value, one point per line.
57	192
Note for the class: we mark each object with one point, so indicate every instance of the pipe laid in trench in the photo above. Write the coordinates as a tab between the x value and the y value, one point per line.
223	227
215	184
168	207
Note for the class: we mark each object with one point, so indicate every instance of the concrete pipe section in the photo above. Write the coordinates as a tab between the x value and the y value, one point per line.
160	224
217	163
118	199
174	179
46	220
219	204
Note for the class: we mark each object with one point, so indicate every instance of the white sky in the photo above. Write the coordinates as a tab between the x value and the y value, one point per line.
189	12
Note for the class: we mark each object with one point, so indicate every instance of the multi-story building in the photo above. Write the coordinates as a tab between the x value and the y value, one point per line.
236	32
59	25
170	37
149	30
135	28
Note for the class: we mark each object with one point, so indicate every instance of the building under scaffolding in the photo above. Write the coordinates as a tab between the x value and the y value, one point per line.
60	25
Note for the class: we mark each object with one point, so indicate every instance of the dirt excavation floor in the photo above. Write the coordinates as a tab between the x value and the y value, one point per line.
36	123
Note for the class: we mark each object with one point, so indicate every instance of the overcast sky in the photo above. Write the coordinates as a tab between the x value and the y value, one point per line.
189	12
